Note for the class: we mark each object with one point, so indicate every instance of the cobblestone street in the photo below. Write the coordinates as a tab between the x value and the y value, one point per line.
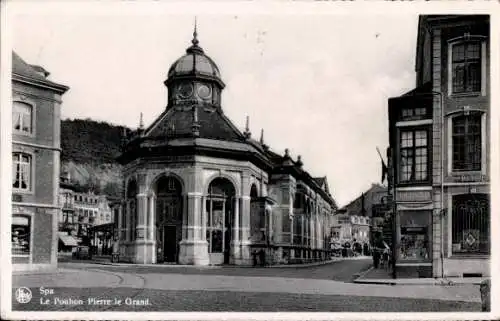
95	287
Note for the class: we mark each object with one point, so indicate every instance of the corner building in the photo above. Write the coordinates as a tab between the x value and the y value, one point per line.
36	149
199	191
440	134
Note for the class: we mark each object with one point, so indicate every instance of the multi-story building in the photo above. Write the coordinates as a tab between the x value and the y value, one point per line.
439	134
93	220
362	209
36	149
350	229
103	211
68	221
86	210
200	191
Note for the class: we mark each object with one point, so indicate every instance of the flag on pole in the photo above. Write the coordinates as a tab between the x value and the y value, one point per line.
385	171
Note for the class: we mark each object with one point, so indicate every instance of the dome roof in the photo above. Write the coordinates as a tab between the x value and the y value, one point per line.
194	62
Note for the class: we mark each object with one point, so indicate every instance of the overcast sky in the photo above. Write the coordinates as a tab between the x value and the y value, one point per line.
317	84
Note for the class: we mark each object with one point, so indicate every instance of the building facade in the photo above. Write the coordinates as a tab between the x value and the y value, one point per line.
68	220
357	215
439	135
199	191
87	211
36	152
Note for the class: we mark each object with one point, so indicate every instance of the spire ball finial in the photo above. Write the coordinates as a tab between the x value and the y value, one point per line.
195	33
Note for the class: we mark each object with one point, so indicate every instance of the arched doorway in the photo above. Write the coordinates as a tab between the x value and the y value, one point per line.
169	208
220	209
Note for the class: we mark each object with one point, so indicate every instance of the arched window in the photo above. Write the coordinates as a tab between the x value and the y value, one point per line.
21	176
22	117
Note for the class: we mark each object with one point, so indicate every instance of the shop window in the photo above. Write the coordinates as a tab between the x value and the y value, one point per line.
22	117
413	158
471	224
21	235
466	67
467	142
414	243
21	176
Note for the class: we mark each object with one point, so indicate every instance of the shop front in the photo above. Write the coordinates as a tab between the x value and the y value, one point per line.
414	257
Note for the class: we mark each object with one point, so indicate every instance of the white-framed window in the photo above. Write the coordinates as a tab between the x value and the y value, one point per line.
21	175
467	65
413	156
22	117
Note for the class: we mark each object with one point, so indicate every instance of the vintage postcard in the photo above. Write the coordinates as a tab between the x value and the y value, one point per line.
310	160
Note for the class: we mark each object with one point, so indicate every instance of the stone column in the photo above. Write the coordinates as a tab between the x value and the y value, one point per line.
245	221
128	219
204	218
143	246
120	223
152	229
302	235
141	229
193	249
235	242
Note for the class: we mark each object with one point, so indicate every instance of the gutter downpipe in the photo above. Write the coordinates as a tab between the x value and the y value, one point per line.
442	212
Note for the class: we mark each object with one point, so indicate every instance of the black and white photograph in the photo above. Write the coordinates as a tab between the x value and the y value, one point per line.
305	159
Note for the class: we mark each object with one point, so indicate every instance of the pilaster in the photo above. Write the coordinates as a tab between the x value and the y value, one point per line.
245	220
235	242
193	248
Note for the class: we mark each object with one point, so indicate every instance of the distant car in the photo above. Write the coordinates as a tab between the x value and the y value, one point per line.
82	252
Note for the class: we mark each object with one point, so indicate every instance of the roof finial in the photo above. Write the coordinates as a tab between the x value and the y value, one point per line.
262	136
195	33
141	123
247	128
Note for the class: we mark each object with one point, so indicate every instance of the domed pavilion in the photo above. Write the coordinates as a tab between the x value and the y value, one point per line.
199	191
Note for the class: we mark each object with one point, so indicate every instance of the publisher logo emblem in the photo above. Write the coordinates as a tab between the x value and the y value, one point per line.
23	295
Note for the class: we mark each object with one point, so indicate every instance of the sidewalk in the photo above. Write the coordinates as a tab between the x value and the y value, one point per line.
65	277
384	276
107	261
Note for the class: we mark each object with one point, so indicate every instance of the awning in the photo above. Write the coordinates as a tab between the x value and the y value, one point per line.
68	240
